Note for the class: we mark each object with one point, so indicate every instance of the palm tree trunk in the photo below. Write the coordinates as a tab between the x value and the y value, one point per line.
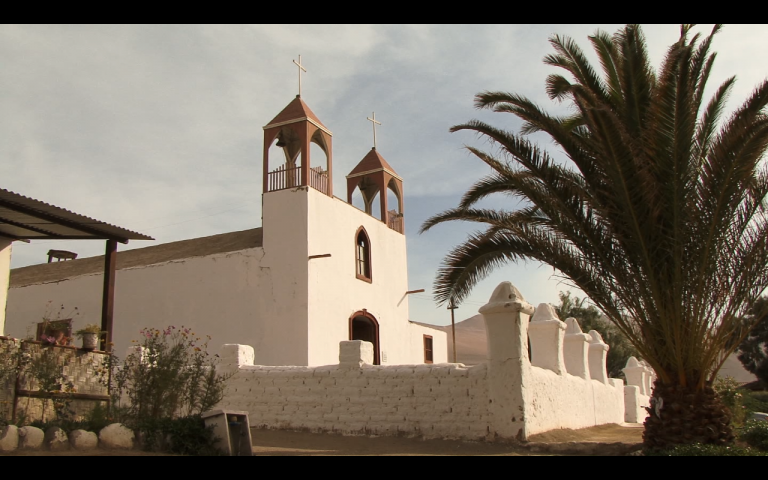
681	415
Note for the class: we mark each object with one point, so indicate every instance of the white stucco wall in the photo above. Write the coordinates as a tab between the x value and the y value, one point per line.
566	401
332	227
5	270
260	296
216	295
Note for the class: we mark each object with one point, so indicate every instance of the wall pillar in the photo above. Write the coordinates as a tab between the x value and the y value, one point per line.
234	356
5	273
355	353
506	320
650	378
576	349
546	333
636	375
598	354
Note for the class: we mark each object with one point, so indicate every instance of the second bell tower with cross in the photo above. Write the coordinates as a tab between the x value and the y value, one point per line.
374	176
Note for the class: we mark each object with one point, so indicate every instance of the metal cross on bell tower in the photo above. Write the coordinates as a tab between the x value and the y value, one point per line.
374	122
301	67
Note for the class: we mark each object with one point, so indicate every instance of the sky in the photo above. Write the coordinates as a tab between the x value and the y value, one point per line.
158	129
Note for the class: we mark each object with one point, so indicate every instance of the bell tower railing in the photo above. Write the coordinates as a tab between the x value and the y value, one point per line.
395	221
290	177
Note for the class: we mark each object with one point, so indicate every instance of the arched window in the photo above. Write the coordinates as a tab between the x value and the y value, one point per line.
362	256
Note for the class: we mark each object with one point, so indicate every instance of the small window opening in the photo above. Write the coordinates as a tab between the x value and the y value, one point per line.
428	358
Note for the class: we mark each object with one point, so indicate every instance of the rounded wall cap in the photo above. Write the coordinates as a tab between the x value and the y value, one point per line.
506	298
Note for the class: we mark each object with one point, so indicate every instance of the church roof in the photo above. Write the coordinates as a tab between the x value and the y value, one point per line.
373	162
195	247
296	111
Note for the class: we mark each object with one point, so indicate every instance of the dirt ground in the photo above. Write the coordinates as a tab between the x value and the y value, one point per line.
279	442
287	443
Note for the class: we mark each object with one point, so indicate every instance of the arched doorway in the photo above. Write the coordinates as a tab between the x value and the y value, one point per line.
363	326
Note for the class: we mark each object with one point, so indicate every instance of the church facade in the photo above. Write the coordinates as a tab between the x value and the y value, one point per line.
319	271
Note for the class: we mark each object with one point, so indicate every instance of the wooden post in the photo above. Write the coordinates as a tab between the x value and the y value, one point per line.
17	384
453	307
108	298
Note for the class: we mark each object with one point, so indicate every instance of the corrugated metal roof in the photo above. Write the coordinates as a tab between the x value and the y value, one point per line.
138	257
25	218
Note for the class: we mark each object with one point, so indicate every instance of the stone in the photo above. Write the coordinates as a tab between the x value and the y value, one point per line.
82	440
116	436
9	438
760	416
30	438
55	439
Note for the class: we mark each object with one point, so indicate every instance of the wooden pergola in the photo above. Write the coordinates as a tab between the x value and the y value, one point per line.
25	219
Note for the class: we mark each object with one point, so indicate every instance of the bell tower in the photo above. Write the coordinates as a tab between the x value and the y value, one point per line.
292	130
373	175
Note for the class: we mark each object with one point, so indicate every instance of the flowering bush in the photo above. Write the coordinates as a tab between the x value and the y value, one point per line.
755	434
170	374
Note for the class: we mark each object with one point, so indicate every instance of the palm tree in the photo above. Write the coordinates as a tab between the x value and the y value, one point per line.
658	216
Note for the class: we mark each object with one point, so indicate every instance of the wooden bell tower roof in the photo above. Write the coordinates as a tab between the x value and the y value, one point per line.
296	111
371	163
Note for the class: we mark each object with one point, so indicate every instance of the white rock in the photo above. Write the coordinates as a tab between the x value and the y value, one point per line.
82	440
9	439
30	438
116	436
56	439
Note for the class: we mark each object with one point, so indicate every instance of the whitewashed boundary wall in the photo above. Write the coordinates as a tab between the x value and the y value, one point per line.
355	397
510	397
564	384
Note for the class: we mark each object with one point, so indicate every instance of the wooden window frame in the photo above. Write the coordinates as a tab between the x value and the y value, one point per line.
429	352
365	261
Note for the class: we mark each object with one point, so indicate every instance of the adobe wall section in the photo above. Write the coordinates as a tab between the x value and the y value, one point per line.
434	401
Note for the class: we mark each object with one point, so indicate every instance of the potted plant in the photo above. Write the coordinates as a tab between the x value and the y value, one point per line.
90	336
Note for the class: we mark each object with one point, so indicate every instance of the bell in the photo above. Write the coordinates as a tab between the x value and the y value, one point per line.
280	143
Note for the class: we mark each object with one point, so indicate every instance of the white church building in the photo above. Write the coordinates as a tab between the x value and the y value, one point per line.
318	272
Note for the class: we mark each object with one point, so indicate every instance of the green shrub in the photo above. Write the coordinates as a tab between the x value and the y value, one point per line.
755	434
728	390
168	382
700	450
183	436
755	402
97	419
171	375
